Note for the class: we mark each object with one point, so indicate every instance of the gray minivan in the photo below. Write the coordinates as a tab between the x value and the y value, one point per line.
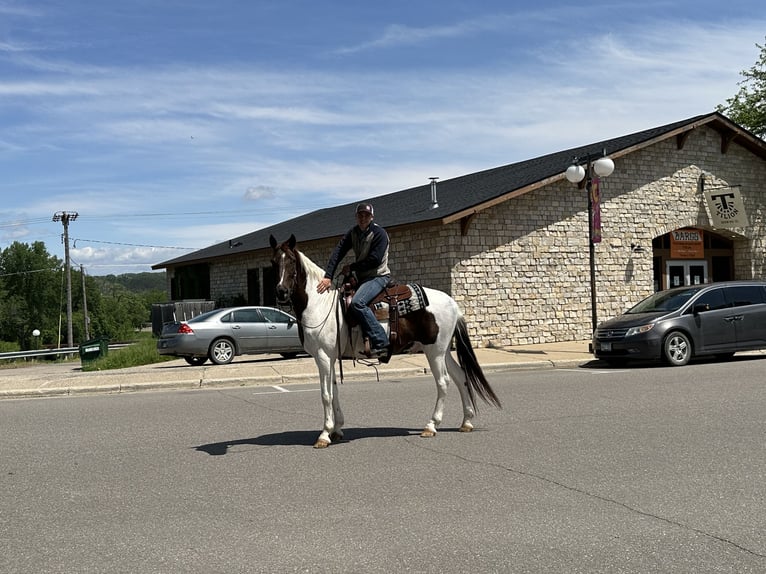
685	322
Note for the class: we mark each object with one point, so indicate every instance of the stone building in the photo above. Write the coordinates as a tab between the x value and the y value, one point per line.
684	204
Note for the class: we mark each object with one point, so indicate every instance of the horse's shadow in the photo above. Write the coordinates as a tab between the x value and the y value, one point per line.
302	438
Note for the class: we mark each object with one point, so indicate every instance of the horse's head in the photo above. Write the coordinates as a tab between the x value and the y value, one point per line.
285	264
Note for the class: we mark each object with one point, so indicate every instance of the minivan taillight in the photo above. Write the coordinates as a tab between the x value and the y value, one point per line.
184	329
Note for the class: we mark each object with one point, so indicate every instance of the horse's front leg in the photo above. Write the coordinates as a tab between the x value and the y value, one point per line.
331	430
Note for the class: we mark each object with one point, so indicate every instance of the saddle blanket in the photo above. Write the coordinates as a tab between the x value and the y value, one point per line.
419	300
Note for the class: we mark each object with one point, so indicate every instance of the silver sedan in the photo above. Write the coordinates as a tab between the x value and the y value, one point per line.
222	334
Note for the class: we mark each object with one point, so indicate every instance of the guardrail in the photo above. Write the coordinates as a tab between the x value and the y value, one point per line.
52	352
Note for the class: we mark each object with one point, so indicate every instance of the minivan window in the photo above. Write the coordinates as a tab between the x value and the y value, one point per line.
712	300
742	295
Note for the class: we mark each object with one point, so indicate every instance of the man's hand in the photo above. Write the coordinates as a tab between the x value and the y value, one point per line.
323	285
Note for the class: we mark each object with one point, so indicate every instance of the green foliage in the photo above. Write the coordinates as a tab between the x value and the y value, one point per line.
33	296
30	286
142	352
748	106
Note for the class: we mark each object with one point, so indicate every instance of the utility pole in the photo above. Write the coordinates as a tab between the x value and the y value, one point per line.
85	304
65	217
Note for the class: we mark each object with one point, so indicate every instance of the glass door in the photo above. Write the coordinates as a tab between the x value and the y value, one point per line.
682	273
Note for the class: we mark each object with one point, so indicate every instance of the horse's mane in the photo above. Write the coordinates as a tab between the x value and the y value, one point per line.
313	271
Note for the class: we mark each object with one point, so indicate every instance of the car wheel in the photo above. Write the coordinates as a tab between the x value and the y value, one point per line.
196	361
222	351
677	349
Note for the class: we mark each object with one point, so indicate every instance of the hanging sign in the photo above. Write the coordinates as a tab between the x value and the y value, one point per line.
725	207
687	244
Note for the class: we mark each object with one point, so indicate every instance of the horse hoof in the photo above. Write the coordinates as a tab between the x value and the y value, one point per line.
336	436
466	428
427	433
321	444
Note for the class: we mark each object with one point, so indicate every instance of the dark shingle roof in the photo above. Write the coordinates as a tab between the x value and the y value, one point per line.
461	195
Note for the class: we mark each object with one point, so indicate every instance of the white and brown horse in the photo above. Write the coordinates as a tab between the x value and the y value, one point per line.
326	337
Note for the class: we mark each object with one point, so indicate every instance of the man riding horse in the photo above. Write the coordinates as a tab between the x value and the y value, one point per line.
369	242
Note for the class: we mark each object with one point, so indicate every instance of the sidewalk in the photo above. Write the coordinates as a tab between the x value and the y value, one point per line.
59	379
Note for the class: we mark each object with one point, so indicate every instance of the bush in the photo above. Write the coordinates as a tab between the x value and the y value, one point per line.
141	352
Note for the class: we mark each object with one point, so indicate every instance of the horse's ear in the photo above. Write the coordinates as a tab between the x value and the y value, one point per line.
291	241
272	242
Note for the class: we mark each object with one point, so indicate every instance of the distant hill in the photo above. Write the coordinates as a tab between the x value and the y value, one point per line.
134	282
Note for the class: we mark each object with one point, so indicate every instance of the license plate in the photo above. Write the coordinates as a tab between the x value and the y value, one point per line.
605	346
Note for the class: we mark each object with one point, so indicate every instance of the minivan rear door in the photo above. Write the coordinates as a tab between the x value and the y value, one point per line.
713	328
748	313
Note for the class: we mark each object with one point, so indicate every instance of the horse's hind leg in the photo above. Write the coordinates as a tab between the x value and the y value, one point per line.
459	376
441	376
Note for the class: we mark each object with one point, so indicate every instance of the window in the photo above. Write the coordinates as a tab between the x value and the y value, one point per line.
745	295
712	300
276	316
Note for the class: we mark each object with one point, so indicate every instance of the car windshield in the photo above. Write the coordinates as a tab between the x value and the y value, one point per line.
665	301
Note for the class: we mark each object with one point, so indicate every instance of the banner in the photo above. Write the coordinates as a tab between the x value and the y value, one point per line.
595	202
725	207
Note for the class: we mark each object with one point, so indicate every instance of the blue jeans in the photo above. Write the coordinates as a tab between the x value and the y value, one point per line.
365	293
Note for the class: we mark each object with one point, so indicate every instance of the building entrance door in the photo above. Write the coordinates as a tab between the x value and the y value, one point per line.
681	273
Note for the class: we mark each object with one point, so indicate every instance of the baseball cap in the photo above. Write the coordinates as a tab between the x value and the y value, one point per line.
365	207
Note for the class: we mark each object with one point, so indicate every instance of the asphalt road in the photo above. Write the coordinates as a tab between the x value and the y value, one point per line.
644	470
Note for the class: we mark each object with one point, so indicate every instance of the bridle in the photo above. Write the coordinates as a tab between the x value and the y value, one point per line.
293	255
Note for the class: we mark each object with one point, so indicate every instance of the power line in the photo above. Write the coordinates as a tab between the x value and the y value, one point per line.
31	271
74	244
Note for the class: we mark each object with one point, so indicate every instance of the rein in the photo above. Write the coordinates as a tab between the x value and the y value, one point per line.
336	305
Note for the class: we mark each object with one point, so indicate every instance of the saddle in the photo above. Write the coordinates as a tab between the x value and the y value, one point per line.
395	295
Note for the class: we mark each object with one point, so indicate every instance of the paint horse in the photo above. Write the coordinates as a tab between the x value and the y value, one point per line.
326	336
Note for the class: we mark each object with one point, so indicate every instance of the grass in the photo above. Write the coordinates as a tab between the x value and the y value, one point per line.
141	352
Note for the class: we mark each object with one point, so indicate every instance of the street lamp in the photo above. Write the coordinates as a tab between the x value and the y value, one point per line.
602	166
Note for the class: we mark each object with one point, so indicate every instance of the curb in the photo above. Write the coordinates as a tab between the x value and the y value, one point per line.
270	380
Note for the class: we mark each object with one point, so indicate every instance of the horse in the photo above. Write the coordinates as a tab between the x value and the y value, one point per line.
326	336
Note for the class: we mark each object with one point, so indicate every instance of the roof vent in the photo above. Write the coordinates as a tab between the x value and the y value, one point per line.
434	203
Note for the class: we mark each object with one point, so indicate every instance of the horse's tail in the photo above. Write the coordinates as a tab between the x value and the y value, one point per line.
475	380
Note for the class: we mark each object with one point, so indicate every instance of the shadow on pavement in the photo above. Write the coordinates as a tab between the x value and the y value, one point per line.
302	438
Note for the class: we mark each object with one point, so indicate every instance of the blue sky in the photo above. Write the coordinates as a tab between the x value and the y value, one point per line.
172	125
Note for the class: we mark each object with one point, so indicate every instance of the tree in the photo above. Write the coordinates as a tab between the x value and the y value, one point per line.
31	294
748	106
